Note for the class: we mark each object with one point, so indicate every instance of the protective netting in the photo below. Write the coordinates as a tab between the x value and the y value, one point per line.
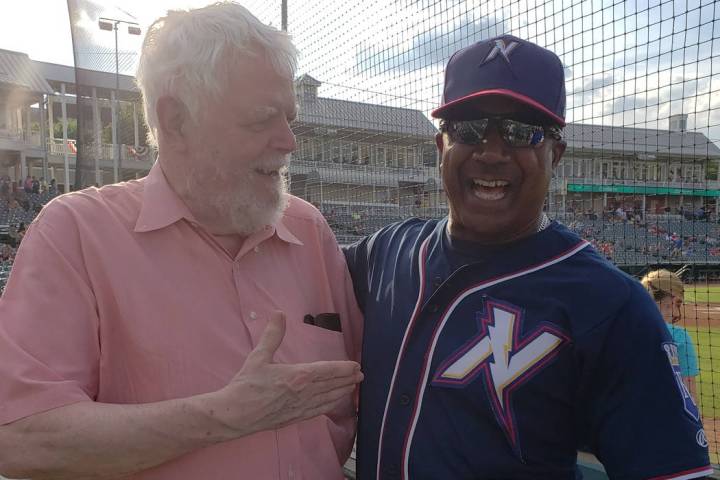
640	177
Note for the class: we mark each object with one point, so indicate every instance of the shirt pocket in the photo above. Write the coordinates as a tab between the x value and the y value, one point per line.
309	343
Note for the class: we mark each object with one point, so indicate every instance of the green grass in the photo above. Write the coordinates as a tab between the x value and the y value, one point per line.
707	343
702	293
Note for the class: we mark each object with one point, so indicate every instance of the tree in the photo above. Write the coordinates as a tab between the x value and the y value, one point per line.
711	172
126	132
71	129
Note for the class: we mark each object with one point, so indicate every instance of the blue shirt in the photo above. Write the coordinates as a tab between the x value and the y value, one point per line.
497	362
686	351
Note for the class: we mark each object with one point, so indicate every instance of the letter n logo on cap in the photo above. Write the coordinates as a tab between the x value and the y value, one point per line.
502	49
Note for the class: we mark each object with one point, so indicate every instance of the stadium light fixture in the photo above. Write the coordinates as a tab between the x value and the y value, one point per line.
111	24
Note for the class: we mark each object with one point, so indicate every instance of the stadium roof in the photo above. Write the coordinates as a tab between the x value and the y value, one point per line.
17	70
641	141
330	112
90	78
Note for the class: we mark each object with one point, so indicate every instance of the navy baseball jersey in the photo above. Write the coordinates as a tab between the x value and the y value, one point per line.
498	362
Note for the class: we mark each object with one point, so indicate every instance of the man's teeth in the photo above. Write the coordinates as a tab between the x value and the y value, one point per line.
489	189
490	183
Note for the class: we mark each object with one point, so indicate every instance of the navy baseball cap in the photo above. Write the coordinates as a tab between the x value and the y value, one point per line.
504	66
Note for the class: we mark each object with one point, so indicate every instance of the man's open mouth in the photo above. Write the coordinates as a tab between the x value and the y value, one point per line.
269	171
489	189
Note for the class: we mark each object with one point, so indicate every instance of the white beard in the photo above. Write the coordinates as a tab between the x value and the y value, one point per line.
243	209
249	214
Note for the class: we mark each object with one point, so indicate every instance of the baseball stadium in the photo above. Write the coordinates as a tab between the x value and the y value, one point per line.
639	179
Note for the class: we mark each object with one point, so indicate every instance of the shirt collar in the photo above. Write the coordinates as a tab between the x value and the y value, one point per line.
161	206
284	233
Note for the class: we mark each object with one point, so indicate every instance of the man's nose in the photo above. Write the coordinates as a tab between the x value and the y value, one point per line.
283	137
492	148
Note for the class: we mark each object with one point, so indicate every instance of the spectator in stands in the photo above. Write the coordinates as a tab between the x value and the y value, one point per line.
21	197
497	339
52	189
28	184
142	321
43	185
668	291
35	185
20	233
620	214
5	188
6	252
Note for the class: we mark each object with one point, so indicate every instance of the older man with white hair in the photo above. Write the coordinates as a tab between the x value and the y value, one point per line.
143	330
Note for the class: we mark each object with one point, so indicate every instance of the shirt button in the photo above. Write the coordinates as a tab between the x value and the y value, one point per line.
253	315
404	400
256	249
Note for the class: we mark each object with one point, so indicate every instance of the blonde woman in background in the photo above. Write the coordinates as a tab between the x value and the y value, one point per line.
668	291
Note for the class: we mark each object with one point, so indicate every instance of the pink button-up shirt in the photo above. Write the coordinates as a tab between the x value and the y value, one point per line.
117	295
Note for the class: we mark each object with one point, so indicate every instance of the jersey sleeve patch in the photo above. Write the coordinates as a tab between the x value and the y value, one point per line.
671	350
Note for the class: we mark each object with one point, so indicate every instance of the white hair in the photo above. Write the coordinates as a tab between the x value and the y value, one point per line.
185	54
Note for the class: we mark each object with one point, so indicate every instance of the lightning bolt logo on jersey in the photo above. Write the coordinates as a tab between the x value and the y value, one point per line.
501	358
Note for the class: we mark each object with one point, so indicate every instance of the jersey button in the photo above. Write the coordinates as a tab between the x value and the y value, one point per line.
404	400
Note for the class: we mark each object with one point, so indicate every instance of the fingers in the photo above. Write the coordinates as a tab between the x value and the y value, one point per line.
322	386
325	370
270	340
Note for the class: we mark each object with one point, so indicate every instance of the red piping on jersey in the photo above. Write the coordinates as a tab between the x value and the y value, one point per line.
421	269
687	474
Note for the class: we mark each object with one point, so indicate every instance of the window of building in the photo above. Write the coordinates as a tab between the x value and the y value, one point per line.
380	156
346	152
411	160
364	158
391	157
401	157
3	116
698	173
334	150
317	146
641	171
618	170
304	149
429	155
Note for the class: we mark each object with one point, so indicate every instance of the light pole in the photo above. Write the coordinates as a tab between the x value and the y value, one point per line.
110	24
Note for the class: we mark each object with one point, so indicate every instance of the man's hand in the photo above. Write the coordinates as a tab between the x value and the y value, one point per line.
266	395
82	440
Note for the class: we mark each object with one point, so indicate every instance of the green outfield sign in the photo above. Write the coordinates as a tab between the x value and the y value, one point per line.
641	190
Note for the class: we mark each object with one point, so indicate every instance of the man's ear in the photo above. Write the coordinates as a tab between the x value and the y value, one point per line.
558	150
440	143
172	118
